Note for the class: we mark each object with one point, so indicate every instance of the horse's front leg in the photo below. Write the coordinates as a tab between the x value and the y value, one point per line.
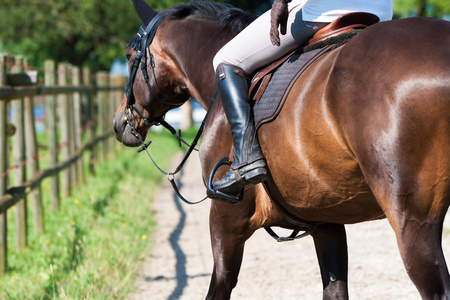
331	247
229	226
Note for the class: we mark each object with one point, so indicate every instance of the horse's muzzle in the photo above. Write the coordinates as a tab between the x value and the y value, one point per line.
124	132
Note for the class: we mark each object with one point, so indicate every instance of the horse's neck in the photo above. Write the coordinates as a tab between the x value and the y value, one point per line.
198	68
202	82
202	89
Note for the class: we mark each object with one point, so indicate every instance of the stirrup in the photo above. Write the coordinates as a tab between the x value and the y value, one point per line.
216	194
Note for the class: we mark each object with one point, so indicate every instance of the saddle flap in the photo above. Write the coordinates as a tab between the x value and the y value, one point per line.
262	78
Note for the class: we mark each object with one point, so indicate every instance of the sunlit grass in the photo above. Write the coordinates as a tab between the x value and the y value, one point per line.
91	248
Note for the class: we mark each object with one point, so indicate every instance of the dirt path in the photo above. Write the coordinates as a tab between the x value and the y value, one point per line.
180	264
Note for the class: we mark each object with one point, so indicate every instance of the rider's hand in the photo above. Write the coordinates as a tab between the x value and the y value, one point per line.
278	17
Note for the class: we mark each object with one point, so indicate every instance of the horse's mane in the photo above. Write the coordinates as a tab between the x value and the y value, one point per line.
231	18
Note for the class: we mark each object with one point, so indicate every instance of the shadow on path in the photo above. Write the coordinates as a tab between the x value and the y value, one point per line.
181	275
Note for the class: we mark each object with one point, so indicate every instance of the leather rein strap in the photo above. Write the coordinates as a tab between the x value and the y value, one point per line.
147	36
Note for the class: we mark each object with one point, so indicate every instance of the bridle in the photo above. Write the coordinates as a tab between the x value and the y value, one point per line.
146	35
140	58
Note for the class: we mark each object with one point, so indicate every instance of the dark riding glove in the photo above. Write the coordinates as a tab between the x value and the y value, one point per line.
278	17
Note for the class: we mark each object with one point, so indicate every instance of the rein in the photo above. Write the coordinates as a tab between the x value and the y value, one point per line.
147	36
171	175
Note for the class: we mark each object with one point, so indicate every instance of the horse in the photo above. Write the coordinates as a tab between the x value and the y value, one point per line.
364	134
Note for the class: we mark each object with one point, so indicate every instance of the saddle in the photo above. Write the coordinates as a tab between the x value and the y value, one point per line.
344	24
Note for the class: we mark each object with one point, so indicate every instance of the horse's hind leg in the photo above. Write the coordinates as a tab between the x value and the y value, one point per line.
331	247
416	210
419	239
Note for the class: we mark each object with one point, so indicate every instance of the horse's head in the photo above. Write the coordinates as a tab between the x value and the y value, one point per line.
170	60
155	85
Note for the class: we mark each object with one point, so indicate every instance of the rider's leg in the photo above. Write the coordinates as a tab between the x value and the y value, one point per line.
248	51
252	48
248	165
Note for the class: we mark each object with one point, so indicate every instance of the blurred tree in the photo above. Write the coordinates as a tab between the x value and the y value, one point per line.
91	32
424	8
94	32
82	32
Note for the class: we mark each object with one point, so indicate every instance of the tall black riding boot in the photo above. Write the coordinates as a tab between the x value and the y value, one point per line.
249	165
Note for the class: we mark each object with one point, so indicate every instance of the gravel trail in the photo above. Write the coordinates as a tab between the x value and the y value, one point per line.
180	264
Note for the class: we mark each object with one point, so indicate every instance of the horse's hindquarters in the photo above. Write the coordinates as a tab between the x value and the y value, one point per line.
395	115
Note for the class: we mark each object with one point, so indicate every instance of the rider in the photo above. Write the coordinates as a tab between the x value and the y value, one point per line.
253	48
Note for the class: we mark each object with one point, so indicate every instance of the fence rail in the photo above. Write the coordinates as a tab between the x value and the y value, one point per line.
78	113
8	93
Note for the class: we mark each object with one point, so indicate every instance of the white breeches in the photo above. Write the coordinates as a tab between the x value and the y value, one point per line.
252	47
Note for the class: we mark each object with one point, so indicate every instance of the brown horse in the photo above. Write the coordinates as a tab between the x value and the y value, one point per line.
364	134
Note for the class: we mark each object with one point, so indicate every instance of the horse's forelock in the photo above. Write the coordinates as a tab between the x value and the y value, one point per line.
135	42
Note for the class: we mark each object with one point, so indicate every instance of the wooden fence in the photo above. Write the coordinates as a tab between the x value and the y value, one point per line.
78	118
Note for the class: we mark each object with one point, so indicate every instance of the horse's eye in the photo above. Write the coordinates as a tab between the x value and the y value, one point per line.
128	56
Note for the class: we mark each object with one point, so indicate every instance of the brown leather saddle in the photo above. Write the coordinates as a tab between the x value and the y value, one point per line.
343	24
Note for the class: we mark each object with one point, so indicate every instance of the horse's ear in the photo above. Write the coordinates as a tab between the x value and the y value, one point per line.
144	11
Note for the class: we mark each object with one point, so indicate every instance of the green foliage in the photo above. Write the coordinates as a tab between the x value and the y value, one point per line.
91	247
92	32
426	8
81	32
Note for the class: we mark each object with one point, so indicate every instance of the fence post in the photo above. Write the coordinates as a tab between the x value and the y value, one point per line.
117	96
3	163
110	111
63	114
101	82
19	158
186	119
50	107
77	123
107	115
33	164
90	133
71	118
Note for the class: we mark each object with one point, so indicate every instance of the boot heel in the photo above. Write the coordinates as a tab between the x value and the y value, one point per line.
256	176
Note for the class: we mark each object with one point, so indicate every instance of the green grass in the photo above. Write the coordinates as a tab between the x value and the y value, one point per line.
92	247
